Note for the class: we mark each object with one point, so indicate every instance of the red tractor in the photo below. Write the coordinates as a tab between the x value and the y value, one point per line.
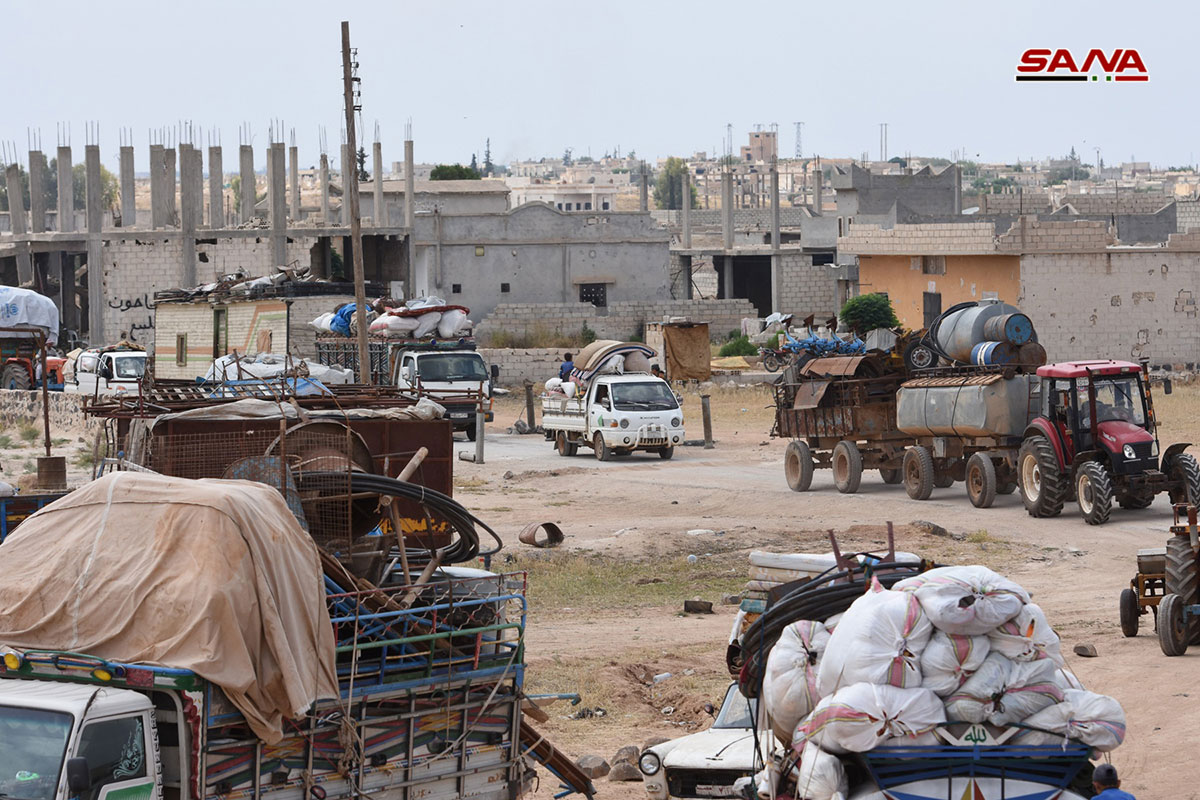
20	364
1095	441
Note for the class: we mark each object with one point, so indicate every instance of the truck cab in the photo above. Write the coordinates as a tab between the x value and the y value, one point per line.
107	371
458	380
66	740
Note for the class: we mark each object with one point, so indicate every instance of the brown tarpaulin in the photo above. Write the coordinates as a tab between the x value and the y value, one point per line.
688	352
208	575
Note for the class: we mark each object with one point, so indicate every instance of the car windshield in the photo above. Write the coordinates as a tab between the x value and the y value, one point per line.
452	367
647	396
1117	399
736	711
129	367
35	742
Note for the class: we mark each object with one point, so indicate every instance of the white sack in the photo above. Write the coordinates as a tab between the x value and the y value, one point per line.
857	718
554	385
321	323
450	322
833	621
868	791
879	640
950	659
821	775
966	600
972	702
1027	637
1031	686
789	688
1094	719
570	388
401	327
1067	680
427	324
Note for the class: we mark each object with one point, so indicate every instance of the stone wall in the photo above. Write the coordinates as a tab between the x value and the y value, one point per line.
66	413
1187	215
517	365
617	321
806	289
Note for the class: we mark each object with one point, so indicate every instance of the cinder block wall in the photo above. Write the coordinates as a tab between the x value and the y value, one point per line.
622	320
518	365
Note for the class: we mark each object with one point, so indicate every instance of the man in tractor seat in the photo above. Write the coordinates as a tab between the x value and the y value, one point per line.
1108	785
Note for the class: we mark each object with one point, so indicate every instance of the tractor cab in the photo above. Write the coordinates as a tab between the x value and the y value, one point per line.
1102	408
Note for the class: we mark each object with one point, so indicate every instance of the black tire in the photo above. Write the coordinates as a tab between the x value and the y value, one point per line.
14	376
1172	636
918	356
891	476
798	466
1183	468
847	467
1136	500
943	479
564	446
1129	612
1183	580
918	472
981	481
471	432
603	451
665	453
1043	486
1093	493
1006	488
770	362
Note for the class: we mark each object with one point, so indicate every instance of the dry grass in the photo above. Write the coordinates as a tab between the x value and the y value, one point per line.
538	336
1178	413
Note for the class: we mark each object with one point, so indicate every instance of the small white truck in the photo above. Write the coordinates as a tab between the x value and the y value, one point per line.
105	371
615	415
458	380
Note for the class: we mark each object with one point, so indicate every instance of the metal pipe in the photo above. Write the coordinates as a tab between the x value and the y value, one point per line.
45	392
529	404
706	412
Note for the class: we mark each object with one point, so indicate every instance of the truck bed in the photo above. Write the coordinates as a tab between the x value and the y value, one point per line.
562	413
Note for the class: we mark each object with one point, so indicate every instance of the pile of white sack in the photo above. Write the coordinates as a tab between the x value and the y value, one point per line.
423	318
953	644
233	367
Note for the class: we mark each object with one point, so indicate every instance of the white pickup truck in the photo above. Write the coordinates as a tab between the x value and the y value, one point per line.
105	371
458	380
617	414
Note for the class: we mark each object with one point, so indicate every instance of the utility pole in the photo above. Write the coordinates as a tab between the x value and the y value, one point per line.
799	140
351	181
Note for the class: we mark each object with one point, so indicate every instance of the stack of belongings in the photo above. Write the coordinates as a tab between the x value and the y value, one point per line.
952	644
602	357
423	318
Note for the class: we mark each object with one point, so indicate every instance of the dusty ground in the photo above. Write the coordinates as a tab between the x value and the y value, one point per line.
601	624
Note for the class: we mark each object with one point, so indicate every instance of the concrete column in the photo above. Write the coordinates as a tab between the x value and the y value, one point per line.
66	192
347	176
276	190
158	187
191	208
62	267
957	189
727	209
776	290
728	281
378	212
294	183
169	185
644	191
687	211
216	188
16	216
246	171
774	204
128	188
325	220
95	247
37	191
818	179
410	211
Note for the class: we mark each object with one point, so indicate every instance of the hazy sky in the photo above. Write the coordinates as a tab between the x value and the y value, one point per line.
663	78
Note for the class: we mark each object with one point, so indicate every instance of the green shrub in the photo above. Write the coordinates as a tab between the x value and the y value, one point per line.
740	346
586	334
773	342
868	312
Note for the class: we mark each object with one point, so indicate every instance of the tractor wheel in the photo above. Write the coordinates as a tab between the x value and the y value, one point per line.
981	481
1172	634
1183	468
891	476
918	356
1135	500
1183	580
1129	612
798	466
1043	486
847	467
1094	493
943	479
603	451
918	472
15	376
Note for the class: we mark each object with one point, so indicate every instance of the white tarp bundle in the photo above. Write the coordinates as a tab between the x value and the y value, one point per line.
233	367
21	307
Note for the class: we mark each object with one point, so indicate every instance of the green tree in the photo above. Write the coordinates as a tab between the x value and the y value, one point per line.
1078	172
668	188
488	166
110	187
235	186
898	160
868	312
453	172
474	163
363	175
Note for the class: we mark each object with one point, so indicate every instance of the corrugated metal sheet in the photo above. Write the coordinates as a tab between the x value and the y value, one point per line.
974	380
833	365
